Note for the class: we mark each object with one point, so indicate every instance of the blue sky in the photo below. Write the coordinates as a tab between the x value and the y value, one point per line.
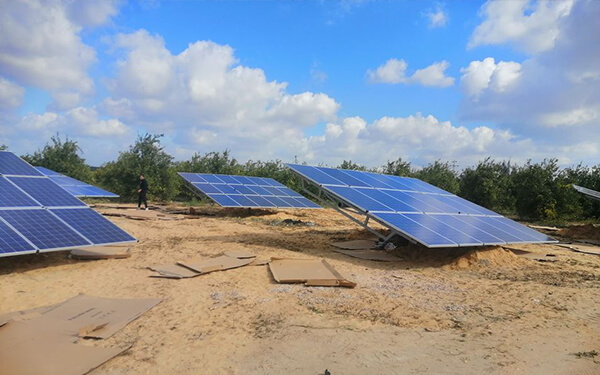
322	80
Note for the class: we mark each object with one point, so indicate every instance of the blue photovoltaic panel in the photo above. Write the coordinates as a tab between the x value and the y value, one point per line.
244	191
46	192
418	210
11	164
43	229
589	192
11	196
12	242
76	187
28	226
93	226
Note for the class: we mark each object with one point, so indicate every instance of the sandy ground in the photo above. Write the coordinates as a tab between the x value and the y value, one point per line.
436	312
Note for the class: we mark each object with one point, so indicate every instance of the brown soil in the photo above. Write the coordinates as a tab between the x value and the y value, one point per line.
586	231
468	311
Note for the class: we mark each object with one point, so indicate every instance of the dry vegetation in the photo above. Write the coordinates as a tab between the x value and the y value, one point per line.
437	311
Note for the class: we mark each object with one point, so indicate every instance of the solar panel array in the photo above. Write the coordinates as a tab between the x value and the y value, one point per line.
76	187
418	210
38	215
244	191
589	192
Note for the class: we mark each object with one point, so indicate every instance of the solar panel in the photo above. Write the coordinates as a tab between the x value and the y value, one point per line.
93	225
38	215
589	192
75	187
46	192
12	165
417	210
245	191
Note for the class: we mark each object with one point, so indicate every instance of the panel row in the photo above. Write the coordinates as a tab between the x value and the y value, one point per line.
76	187
460	230
370	200
227	179
25	231
43	191
341	177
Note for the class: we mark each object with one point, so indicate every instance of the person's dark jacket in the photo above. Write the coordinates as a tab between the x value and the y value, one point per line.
144	186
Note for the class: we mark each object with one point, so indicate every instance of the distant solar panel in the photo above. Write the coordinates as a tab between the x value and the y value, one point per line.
244	191
589	192
38	215
75	187
415	209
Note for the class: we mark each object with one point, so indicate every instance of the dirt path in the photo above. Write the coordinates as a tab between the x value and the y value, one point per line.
437	312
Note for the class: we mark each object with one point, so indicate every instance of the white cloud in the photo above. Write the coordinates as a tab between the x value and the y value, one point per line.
549	92
532	26
41	45
203	95
486	74
436	17
11	95
394	71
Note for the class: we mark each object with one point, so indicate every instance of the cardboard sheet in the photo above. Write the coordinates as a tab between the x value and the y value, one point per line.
240	254
101	252
91	317
582	248
221	263
356	245
377	255
307	271
26	350
173	271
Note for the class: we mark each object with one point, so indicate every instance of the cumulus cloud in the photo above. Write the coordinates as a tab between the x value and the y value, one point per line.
11	95
532	26
394	71
436	17
203	94
480	76
553	90
44	48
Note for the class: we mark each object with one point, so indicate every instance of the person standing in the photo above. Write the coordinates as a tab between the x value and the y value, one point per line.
143	192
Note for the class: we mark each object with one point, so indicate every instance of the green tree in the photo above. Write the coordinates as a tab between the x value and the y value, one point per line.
397	167
211	162
62	157
440	174
535	190
489	185
146	156
3	147
348	164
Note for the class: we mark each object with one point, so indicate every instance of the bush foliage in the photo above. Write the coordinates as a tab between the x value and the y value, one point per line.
533	191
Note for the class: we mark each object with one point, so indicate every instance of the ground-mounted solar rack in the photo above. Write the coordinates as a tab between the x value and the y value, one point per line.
37	215
412	209
77	188
245	191
593	194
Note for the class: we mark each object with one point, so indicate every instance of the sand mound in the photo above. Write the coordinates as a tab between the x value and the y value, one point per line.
486	257
586	231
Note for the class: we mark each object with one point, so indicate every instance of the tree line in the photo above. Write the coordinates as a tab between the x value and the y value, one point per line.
534	191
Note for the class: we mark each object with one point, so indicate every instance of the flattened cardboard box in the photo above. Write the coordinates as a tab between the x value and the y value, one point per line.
101	252
215	264
356	245
86	316
27	350
307	271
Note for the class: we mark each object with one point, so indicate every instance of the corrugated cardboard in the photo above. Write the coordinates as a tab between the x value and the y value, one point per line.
99	317
307	271
173	271
221	263
27	350
356	245
101	252
240	254
377	255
